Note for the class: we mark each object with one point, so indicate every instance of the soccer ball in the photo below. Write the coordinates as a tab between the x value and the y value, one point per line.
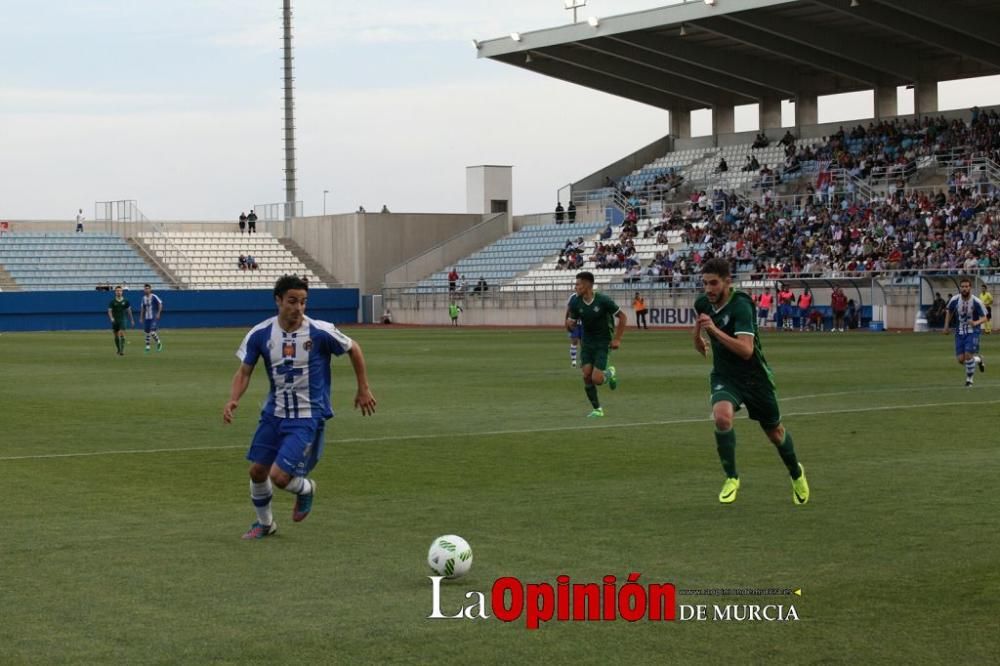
450	556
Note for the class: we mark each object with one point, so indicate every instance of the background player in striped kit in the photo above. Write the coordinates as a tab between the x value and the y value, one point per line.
969	314
150	309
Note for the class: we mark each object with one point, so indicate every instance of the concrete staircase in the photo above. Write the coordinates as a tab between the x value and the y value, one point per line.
324	275
161	270
7	282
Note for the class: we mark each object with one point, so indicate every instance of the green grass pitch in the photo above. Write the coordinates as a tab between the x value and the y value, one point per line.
124	498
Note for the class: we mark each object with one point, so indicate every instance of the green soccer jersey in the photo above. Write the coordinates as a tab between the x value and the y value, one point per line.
118	309
598	317
735	318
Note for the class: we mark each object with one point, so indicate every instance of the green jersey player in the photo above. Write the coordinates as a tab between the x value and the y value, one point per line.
117	309
740	376
603	326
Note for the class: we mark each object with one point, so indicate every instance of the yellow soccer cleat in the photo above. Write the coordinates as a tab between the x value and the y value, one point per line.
800	487
728	493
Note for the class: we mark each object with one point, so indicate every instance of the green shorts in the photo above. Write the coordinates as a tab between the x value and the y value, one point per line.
117	326
759	396
595	355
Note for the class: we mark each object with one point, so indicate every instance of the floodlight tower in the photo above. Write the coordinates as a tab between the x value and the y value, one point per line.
289	115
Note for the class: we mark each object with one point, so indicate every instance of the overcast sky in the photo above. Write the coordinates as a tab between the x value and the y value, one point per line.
178	104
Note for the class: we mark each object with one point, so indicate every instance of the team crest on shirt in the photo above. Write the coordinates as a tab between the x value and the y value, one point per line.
723	321
308	345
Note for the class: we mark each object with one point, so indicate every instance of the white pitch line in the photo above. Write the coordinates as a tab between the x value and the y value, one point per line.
911	389
493	433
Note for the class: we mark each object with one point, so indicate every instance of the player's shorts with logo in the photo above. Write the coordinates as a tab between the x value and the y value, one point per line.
150	325
967	343
756	393
577	332
294	444
595	354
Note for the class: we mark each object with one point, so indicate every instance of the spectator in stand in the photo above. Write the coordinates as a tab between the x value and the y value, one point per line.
385	210
606	234
560	211
571	213
242	265
79	221
243	221
805	304
639	305
761	141
838	304
461	286
452	279
252	223
361	209
722	167
482	287
252	263
788	140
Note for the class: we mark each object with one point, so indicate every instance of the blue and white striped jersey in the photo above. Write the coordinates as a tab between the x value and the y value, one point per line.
964	312
298	365
150	306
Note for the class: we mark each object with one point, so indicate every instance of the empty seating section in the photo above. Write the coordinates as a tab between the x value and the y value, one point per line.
503	260
210	259
72	261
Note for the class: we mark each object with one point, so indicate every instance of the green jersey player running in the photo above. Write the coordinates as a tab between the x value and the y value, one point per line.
598	314
740	376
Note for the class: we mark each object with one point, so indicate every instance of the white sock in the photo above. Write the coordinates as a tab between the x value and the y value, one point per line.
572	352
260	495
299	485
970	368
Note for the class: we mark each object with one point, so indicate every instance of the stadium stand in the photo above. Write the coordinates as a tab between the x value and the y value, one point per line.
210	260
503	260
72	261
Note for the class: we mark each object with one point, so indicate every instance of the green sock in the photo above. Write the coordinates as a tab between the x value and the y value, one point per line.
118	343
592	395
725	444
787	452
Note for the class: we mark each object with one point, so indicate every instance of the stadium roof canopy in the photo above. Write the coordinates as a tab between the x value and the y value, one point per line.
729	52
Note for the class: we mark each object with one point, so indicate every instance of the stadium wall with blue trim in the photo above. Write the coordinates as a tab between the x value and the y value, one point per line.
88	310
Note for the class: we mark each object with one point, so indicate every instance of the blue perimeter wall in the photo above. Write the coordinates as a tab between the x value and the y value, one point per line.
88	310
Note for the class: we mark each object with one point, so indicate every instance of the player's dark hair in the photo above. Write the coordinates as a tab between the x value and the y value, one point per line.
286	282
147	285
587	276
964	280
716	266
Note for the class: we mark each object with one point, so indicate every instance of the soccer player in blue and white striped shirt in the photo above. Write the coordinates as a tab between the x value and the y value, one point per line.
149	312
296	352
969	314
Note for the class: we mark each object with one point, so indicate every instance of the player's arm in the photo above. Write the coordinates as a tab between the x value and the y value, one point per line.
131	319
570	321
700	345
241	380
947	320
111	315
741	345
364	400
622	320
159	309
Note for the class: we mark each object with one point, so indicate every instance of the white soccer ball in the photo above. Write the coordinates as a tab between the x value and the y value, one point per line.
450	556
